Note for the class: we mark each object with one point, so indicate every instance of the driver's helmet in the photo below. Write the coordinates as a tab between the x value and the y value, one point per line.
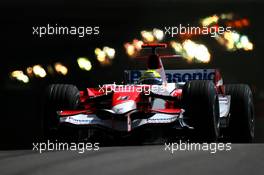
151	77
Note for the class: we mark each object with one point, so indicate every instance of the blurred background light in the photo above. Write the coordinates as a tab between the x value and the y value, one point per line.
147	36
246	44
240	23
227	16
152	36
30	71
176	46
192	51
105	55
133	49
61	69
209	20
39	71
202	54
20	76
234	41
110	52
158	34
190	48
130	49
100	55
137	44
84	63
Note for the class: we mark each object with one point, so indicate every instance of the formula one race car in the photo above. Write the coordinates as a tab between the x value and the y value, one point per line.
183	100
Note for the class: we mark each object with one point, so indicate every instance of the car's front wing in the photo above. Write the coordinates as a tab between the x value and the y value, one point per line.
122	125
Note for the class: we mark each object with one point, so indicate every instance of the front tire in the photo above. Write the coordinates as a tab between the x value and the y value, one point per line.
201	104
242	118
58	97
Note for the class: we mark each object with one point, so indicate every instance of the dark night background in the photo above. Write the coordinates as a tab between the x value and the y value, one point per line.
119	22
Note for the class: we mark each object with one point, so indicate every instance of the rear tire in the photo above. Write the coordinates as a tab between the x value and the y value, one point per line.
201	104
58	97
242	118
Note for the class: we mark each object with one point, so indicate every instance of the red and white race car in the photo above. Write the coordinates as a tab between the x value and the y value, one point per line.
194	100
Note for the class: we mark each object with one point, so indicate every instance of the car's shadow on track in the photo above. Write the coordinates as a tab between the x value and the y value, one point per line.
22	143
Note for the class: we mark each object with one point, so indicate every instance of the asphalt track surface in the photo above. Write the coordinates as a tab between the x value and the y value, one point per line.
241	159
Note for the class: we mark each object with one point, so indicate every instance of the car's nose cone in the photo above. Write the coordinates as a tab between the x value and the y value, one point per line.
124	107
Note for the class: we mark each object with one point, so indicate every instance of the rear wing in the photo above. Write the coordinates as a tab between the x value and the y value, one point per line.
181	75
